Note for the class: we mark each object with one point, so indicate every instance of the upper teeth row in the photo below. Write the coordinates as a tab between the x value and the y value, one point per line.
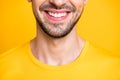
57	15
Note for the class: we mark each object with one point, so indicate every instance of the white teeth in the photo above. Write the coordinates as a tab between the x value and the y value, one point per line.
57	15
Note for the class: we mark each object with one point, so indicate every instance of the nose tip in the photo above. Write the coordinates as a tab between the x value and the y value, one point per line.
57	3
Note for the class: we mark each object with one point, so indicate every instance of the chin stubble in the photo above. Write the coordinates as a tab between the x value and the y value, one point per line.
70	25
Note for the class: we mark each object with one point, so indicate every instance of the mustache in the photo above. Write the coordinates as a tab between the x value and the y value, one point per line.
51	6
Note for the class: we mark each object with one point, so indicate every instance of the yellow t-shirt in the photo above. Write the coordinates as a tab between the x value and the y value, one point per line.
92	64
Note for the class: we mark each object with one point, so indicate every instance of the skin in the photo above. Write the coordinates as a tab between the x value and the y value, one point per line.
57	42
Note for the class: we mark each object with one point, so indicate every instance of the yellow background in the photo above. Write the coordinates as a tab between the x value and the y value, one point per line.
100	23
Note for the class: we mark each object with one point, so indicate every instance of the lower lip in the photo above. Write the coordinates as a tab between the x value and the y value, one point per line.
56	19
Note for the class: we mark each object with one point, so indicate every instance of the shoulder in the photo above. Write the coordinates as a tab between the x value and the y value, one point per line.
14	52
99	51
100	62
13	61
94	49
102	56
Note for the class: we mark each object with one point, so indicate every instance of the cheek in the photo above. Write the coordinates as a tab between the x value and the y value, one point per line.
37	3
77	3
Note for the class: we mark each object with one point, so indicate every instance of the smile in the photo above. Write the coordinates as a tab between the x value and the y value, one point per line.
57	15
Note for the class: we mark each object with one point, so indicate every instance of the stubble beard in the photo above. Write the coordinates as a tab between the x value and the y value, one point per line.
57	31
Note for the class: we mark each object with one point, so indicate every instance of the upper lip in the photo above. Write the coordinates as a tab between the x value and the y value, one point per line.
57	10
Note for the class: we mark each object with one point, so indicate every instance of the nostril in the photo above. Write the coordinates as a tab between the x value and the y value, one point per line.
58	3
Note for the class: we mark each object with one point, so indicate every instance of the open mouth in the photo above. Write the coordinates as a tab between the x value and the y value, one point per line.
57	15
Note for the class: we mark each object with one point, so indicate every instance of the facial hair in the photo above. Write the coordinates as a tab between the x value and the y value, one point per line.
57	31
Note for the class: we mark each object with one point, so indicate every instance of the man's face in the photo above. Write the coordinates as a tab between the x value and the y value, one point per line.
57	17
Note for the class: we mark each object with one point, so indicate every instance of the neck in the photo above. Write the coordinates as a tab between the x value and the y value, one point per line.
57	51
